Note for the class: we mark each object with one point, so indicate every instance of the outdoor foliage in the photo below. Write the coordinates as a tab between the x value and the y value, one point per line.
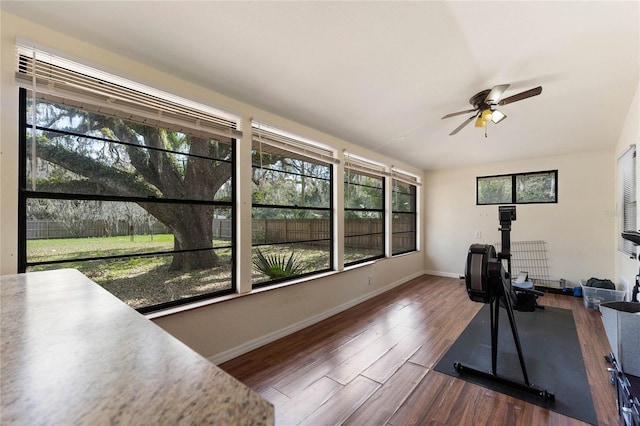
277	265
538	188
528	188
288	181
363	216
495	190
364	194
403	217
139	281
291	211
81	153
403	197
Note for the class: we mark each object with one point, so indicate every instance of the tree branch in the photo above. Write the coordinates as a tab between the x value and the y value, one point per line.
107	180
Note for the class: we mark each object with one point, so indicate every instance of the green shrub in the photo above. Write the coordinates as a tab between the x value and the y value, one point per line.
277	265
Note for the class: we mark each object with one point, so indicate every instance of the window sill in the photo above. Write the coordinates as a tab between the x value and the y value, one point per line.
360	265
225	298
407	253
221	299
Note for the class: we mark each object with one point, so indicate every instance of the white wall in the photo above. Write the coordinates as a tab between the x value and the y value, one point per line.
577	230
224	329
626	268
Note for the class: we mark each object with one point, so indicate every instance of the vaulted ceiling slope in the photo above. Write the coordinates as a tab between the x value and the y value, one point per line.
382	74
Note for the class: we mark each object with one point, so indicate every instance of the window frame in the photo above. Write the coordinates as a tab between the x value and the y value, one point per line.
302	150
25	194
627	191
514	190
381	211
413	193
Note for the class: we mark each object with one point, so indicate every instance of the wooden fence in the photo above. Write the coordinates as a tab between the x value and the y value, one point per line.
365	233
51	229
360	233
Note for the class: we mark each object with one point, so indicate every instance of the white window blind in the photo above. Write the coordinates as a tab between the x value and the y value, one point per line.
363	166
60	80
405	177
275	141
627	184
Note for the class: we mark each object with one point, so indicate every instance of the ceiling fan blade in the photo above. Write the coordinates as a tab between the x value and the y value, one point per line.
520	96
495	93
497	116
453	114
457	129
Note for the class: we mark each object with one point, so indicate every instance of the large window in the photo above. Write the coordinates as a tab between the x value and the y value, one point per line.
404	219
291	215
518	188
136	189
142	207
363	214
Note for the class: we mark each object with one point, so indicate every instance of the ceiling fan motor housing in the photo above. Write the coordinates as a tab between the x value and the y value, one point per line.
478	100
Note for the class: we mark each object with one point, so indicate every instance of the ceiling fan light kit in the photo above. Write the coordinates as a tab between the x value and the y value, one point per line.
485	105
484	117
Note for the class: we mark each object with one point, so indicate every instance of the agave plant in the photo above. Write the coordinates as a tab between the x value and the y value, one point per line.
277	265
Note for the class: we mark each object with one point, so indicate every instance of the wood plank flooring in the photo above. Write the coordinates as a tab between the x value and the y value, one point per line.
372	365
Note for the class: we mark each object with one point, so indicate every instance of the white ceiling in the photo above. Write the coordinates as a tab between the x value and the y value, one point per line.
382	74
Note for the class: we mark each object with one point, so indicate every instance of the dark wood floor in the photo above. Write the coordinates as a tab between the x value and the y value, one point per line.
372	365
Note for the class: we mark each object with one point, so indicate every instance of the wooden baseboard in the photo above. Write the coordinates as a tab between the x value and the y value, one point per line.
443	274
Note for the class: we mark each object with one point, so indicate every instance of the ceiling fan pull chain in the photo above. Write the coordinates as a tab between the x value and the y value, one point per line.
485	130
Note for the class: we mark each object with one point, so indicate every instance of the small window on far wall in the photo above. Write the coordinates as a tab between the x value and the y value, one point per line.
518	188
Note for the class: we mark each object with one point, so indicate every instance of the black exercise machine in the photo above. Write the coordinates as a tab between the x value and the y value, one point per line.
634	237
488	282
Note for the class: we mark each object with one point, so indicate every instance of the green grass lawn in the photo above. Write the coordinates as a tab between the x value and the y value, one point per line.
146	280
76	248
138	281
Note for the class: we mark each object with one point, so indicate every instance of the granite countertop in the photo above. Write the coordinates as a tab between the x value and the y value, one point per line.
72	353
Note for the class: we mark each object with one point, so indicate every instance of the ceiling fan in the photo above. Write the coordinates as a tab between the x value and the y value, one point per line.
485	103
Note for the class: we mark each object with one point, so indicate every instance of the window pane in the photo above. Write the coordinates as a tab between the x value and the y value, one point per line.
404	197
364	236
269	226
67	163
150	281
626	169
295	183
294	236
404	223
355	250
362	191
363	222
130	171
494	190
284	261
536	188
71	229
363	217
404	219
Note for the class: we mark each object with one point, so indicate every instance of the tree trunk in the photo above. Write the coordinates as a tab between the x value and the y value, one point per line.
193	230
155	171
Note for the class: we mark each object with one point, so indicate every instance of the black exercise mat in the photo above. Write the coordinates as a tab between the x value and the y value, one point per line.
552	356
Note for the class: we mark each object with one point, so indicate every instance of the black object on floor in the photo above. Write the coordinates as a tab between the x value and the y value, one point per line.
551	350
